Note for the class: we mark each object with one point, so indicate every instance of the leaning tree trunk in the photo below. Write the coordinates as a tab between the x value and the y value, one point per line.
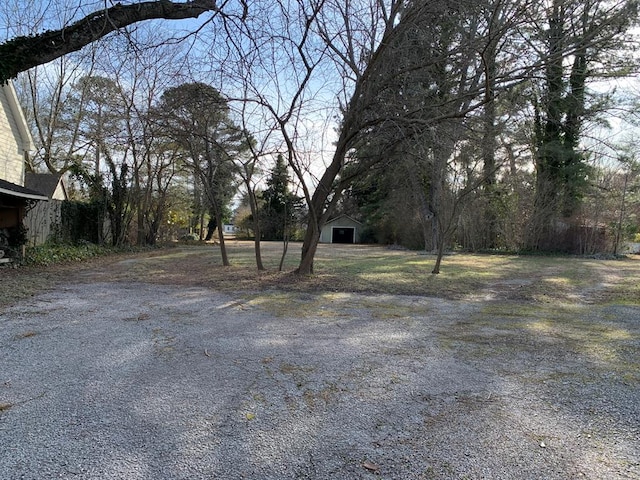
318	208
309	248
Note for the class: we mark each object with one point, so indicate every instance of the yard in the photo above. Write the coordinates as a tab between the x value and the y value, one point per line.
166	365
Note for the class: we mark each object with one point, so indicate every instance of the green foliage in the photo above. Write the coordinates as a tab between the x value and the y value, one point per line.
195	116
50	254
279	207
80	222
17	236
54	253
11	57
190	237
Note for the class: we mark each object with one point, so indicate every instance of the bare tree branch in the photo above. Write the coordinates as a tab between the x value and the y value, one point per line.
22	53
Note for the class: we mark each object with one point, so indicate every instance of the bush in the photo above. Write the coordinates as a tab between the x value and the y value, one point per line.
49	254
190	237
80	221
17	236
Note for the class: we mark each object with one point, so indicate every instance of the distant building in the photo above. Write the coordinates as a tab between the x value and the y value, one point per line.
230	229
342	229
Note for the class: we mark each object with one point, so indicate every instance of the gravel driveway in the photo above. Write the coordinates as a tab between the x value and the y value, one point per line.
105	380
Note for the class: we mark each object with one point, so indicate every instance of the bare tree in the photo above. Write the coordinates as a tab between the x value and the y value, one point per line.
255	61
379	105
147	66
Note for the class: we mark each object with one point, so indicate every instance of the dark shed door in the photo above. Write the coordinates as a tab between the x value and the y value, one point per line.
342	234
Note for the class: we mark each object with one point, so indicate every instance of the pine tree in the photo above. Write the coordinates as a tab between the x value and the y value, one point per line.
279	205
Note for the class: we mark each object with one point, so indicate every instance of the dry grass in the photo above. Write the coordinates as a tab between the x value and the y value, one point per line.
353	269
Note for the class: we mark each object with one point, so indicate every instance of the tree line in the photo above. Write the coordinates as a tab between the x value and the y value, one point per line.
456	122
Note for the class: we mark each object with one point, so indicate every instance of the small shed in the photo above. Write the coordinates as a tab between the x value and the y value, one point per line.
341	229
41	220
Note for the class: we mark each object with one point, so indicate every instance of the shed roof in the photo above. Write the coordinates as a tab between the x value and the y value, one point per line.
45	183
344	215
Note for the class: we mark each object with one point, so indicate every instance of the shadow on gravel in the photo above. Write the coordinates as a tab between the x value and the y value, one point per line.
139	381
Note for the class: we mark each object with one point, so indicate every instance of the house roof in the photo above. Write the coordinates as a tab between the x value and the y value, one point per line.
13	190
45	183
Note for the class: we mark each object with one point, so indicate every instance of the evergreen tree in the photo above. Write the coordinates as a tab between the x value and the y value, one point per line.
280	207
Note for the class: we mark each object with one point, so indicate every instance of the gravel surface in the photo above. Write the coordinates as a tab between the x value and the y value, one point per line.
104	380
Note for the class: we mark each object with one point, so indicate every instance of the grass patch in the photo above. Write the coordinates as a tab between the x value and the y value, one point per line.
513	330
347	269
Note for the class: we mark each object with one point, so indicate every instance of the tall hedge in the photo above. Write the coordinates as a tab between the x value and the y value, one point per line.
80	222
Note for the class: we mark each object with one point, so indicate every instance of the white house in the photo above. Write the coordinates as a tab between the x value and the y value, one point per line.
15	144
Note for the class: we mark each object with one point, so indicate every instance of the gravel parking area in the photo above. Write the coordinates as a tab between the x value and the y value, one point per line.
105	380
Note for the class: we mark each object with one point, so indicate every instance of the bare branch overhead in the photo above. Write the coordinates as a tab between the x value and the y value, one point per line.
22	53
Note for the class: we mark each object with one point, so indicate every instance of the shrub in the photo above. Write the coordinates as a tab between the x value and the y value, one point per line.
49	254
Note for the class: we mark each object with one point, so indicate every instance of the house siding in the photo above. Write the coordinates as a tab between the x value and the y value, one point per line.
11	142
59	193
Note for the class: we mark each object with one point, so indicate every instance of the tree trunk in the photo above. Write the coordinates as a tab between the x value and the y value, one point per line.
223	247
253	205
441	151
309	247
440	254
616	243
489	145
319	211
285	247
285	239
211	227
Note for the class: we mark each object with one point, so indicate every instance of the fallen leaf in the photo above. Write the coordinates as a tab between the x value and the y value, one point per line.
5	406
372	467
206	353
250	416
